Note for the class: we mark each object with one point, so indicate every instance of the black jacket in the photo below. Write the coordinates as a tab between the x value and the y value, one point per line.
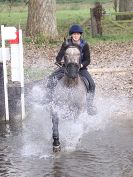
85	61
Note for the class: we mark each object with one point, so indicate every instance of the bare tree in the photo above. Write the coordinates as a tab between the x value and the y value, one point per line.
42	18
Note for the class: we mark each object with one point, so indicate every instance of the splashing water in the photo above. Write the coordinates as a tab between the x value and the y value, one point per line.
39	124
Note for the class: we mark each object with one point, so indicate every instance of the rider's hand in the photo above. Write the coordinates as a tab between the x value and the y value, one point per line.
81	66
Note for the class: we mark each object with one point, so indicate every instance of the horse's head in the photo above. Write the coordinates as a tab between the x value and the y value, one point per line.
72	61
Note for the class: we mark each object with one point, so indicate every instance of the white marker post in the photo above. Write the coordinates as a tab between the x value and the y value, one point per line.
5	74
6	33
17	71
10	33
21	73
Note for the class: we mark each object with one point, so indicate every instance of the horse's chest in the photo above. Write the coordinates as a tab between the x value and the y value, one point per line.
70	95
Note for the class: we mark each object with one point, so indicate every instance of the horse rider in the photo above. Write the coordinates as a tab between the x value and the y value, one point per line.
75	33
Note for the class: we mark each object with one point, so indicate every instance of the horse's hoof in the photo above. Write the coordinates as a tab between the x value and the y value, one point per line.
56	148
56	145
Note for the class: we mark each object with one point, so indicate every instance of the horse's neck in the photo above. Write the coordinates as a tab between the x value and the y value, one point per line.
69	82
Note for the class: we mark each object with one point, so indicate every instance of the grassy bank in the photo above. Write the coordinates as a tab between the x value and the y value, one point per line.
66	15
81	1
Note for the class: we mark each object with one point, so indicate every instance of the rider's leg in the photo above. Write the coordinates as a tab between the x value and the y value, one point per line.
54	77
91	90
52	82
85	73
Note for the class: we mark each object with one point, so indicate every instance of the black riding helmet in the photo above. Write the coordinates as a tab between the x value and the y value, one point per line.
75	29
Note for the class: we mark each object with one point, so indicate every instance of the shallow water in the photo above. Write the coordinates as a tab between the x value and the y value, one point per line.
105	151
92	146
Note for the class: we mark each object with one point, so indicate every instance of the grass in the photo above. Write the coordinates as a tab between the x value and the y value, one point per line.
66	15
81	1
15	18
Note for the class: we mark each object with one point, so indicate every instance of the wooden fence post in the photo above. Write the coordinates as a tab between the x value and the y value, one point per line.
93	24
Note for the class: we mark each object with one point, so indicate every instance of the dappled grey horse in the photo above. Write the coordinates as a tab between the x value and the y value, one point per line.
70	91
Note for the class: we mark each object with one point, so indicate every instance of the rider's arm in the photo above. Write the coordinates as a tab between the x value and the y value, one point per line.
61	53
86	56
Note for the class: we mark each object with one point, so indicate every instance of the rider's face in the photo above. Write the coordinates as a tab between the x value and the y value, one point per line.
76	36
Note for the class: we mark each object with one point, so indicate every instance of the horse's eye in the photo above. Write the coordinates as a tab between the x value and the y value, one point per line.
66	55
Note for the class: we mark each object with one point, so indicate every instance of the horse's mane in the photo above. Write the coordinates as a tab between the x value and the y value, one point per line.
73	46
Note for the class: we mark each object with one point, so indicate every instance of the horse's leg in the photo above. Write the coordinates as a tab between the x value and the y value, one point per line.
91	109
56	143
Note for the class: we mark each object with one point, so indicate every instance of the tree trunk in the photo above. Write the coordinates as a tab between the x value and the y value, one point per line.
93	24
116	5
42	18
125	6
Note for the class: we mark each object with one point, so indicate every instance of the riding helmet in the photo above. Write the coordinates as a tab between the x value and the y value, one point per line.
75	29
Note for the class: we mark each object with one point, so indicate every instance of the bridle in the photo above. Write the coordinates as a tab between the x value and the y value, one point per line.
72	67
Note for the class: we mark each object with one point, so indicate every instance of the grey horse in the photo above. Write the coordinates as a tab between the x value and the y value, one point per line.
69	90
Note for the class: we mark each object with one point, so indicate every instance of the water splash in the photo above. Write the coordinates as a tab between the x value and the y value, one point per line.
38	126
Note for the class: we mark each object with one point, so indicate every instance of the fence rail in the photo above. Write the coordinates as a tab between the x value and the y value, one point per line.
113	23
121	13
121	25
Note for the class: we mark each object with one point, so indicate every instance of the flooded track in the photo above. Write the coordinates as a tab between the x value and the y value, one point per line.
103	149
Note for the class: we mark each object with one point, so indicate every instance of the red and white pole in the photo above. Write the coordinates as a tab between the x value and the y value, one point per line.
5	74
14	38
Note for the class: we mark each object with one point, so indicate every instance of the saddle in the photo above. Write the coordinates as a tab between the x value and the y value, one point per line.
60	73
